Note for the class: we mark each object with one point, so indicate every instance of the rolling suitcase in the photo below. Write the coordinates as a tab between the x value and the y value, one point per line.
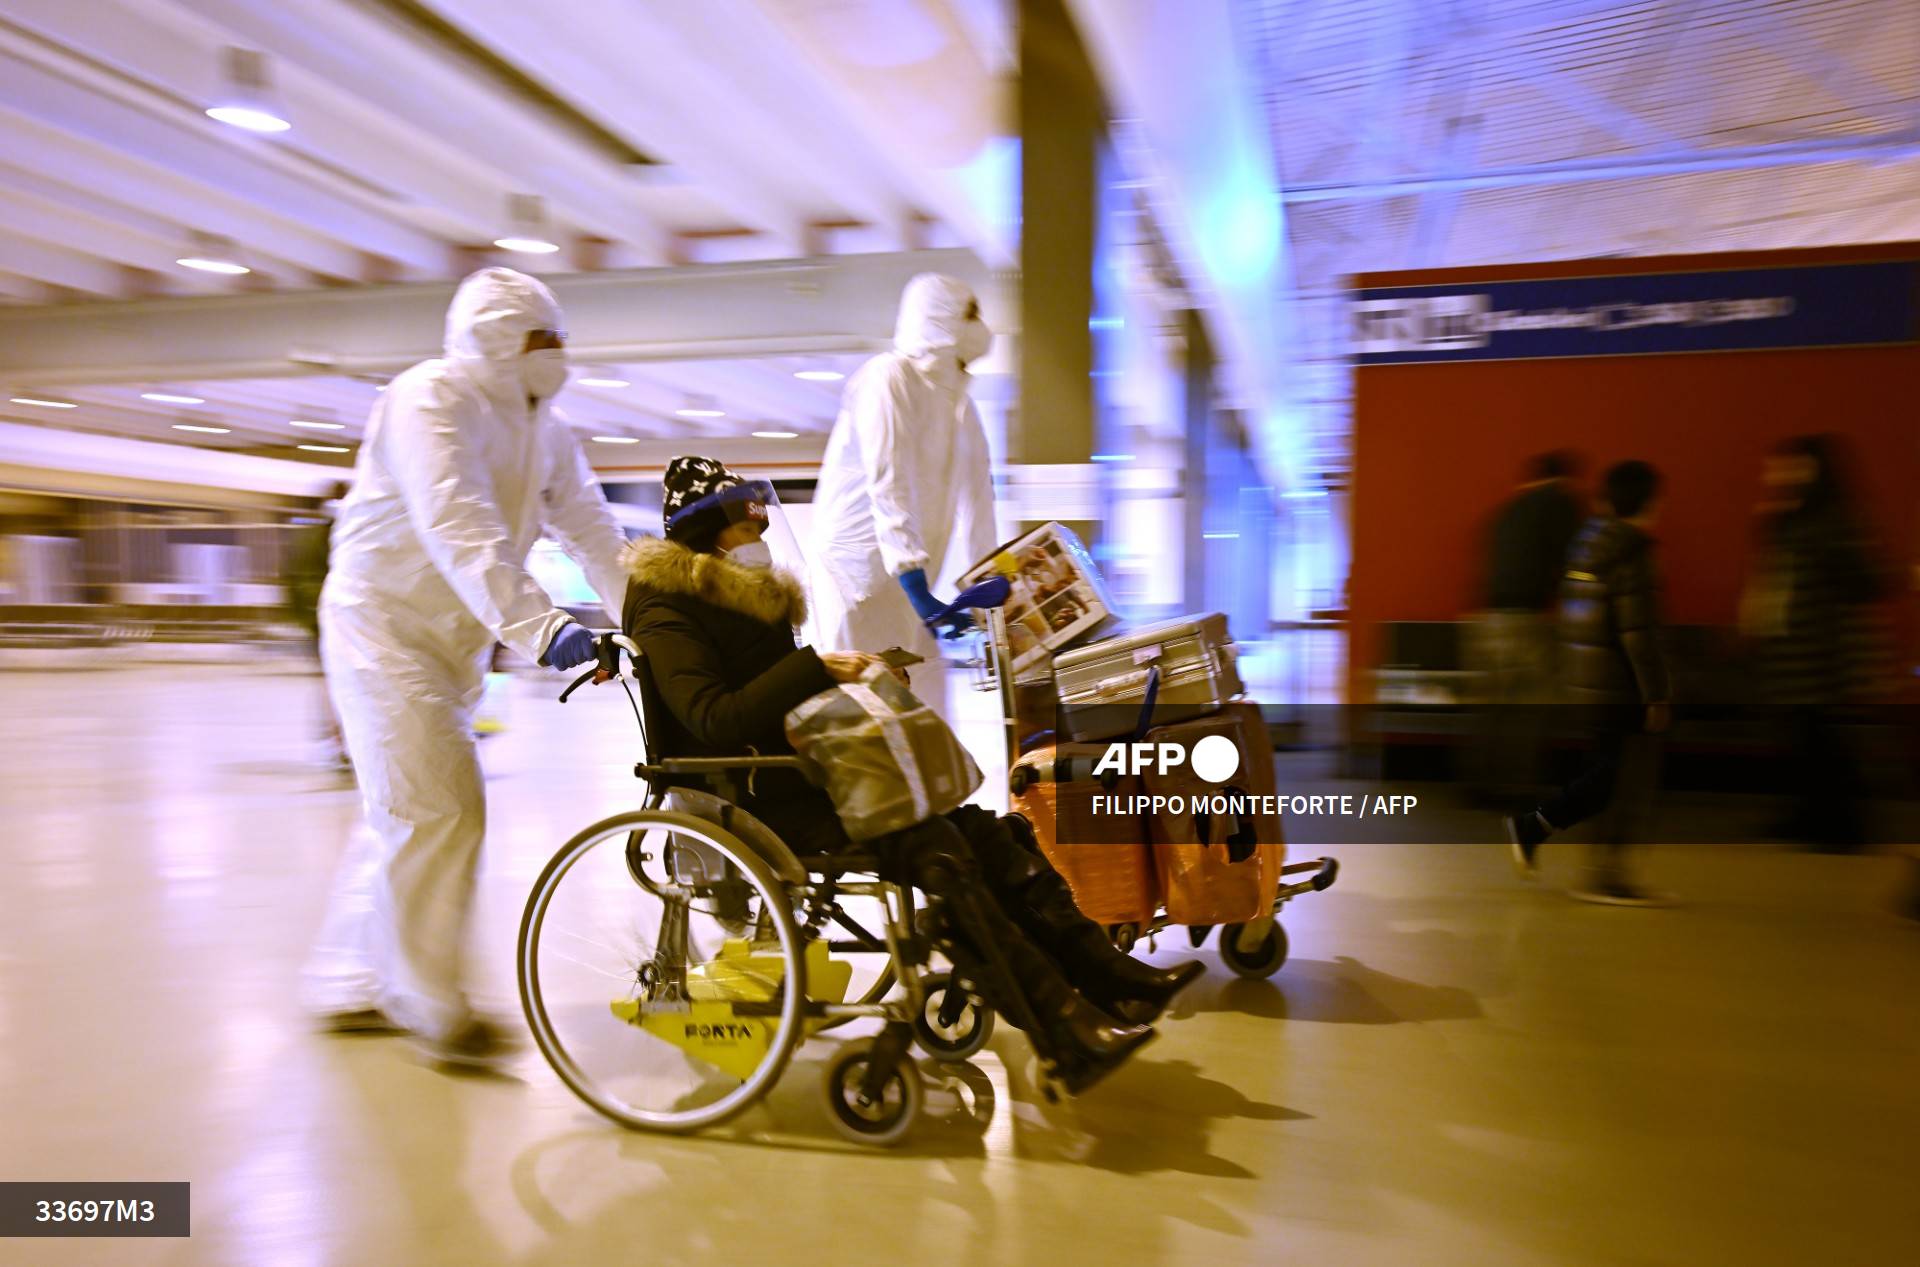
1218	860
1187	664
1104	858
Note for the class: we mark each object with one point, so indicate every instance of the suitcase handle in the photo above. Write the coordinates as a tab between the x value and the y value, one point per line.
1141	727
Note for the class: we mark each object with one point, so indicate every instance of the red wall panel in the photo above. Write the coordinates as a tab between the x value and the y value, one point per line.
1438	446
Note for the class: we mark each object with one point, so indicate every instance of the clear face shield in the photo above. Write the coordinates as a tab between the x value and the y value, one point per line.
753	519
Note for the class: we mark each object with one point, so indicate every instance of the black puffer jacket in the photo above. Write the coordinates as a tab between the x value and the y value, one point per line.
1610	619
719	644
1824	649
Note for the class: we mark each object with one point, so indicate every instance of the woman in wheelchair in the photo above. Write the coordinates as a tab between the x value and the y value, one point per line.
715	622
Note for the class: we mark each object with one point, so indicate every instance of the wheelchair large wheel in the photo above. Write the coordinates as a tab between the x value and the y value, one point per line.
661	971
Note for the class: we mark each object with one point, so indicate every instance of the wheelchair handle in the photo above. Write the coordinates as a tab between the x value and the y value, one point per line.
606	660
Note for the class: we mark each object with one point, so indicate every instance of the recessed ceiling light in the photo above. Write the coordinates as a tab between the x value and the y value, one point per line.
169	398
224	267
819	376
44	404
325	448
527	246
776	435
1113	457
247	98
603	382
194	426
317	426
616	440
247	117
701	413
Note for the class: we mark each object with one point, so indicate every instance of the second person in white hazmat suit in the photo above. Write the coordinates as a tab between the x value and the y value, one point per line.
462	468
905	499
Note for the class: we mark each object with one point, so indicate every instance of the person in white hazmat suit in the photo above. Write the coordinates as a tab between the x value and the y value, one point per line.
462	468
905	498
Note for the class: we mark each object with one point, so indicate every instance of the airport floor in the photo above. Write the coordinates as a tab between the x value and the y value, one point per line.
1453	1067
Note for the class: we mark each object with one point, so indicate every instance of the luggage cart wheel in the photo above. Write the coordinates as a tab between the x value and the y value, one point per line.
882	1120
1124	936
954	1022
1262	961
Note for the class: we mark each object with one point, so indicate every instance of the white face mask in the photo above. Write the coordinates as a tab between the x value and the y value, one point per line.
754	554
544	372
974	343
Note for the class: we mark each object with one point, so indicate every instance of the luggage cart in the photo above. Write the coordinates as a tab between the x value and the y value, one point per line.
1255	948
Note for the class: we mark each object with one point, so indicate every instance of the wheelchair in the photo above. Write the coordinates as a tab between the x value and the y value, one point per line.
672	958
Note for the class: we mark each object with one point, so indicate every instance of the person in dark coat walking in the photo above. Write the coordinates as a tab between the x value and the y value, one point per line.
1614	671
1808	615
1513	637
715	624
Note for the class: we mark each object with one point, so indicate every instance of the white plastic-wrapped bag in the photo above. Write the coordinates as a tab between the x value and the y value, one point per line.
887	760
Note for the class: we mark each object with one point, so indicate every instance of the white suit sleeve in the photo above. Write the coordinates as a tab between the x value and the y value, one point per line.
976	496
577	517
880	423
450	501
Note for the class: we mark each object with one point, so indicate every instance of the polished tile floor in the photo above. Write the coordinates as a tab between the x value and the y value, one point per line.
1452	1069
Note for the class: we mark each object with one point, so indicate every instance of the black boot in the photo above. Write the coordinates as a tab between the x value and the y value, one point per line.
1040	902
1089	1046
1083	1043
1140	1001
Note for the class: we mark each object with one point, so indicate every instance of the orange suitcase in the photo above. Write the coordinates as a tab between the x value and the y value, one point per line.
1217	867
1104	859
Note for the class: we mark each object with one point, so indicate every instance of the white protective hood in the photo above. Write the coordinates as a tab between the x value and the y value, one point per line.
933	308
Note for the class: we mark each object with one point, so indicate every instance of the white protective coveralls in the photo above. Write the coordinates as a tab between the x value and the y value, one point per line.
458	475
906	483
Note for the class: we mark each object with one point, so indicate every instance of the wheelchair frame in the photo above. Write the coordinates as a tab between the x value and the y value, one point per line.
865	1071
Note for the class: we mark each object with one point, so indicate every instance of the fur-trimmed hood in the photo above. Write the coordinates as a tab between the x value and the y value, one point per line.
772	595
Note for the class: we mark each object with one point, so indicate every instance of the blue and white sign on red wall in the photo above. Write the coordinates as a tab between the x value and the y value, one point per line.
1833	305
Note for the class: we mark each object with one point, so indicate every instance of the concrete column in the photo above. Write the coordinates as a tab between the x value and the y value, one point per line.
1062	119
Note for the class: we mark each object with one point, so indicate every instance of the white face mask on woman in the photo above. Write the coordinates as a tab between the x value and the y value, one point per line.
753	554
543	371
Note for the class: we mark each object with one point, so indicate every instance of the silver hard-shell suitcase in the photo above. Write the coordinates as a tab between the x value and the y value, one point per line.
1102	686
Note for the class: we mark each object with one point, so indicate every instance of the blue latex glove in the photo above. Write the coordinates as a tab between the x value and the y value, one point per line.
927	606
570	648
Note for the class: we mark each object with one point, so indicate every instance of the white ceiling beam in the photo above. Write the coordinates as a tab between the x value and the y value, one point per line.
410	79
59	267
839	304
47	449
941	119
118	179
720	141
177	59
20	290
213	160
86	235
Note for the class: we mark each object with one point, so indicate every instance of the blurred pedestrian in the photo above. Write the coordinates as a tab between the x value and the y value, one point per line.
1615	673
306	573
1513	636
1808	614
